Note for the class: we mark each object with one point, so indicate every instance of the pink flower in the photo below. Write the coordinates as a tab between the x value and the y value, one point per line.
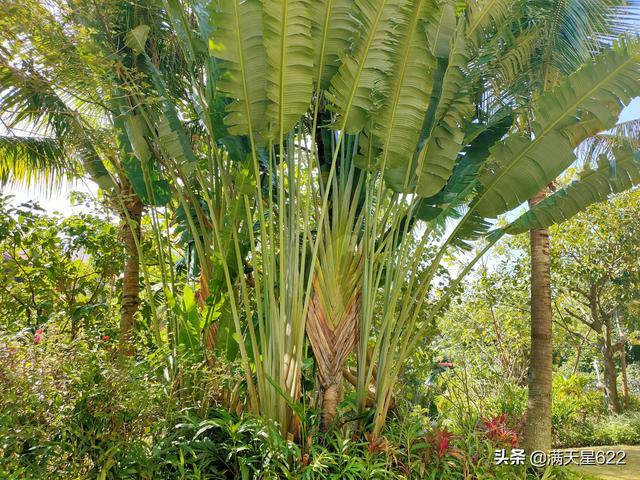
37	338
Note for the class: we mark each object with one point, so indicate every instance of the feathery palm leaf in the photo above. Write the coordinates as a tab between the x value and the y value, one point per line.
33	160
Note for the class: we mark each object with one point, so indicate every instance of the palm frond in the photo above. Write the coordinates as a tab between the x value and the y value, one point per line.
28	98
33	160
481	14
604	143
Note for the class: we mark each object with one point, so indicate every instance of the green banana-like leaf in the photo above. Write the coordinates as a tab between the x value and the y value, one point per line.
173	138
420	127
587	102
137	135
406	93
441	31
287	37
450	203
593	186
138	162
238	41
189	323
480	138
351	88
332	26
443	129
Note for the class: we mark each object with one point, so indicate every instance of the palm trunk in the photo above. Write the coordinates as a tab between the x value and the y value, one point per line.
331	346
131	278
537	433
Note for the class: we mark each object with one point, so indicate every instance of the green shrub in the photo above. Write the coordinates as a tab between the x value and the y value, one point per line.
618	429
68	410
73	410
576	406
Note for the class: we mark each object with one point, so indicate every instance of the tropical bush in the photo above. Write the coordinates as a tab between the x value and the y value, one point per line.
70	411
617	430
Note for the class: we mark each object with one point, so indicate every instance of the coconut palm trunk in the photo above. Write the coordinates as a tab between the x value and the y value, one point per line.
131	276
537	435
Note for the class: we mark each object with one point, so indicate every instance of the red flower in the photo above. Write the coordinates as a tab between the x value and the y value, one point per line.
105	338
443	440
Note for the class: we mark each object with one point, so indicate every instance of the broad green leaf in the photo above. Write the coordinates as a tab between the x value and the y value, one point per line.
441	31
239	43
287	37
592	186
332	27
405	93
351	88
189	329
587	102
444	124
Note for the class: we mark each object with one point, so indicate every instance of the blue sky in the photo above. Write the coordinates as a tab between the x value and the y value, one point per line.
632	112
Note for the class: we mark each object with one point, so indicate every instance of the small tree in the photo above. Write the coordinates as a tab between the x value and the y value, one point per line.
596	271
